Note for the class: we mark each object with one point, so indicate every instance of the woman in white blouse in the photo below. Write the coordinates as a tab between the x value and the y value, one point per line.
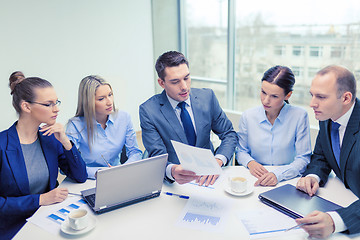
275	133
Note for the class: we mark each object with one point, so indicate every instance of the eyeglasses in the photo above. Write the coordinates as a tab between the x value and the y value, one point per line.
51	104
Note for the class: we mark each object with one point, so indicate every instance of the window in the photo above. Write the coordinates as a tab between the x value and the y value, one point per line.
298	51
207	45
312	72
315	51
279	50
337	52
298	71
230	44
260	68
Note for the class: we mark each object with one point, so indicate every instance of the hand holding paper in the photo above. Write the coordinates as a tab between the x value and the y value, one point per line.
198	160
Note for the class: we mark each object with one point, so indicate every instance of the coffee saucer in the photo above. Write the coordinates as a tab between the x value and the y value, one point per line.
249	189
65	227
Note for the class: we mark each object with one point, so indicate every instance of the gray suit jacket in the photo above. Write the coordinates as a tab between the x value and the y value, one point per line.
159	125
323	161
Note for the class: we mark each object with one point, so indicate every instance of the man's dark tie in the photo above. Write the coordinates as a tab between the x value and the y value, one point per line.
187	124
335	141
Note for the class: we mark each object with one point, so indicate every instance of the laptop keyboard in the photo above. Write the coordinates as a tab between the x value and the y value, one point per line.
91	199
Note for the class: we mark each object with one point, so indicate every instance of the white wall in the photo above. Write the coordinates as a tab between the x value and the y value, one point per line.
66	40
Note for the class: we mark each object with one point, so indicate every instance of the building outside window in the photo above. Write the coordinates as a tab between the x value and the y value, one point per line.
298	71
298	50
337	52
316	51
279	50
231	43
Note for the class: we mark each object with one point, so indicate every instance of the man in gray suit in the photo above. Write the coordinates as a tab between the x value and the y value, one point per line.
337	148
186	115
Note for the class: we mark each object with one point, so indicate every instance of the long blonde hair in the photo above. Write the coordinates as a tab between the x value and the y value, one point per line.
86	102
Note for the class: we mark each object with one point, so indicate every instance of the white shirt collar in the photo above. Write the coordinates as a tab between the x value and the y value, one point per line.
344	119
174	103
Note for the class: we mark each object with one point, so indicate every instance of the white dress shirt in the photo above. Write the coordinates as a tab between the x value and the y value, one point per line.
174	105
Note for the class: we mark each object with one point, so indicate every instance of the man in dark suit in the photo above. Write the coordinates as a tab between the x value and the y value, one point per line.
337	148
186	115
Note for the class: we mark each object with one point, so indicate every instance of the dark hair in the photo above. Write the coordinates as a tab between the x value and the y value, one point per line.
23	88
281	76
345	80
169	59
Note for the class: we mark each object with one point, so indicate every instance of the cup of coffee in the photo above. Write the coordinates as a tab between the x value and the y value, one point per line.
238	184
78	219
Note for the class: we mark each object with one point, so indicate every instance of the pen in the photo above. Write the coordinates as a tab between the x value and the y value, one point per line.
107	163
178	195
296	226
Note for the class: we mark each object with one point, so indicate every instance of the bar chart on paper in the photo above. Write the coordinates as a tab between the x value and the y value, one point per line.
56	214
204	214
60	215
201	219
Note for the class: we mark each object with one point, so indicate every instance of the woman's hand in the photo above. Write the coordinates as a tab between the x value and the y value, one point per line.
268	179
58	130
256	169
54	196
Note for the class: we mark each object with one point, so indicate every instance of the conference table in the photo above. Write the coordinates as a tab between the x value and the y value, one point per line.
157	218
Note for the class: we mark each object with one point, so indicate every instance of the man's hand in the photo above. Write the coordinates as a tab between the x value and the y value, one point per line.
182	176
54	196
267	179
209	179
256	169
317	224
308	184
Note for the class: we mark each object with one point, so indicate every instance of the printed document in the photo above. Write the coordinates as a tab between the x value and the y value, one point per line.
267	222
199	160
205	214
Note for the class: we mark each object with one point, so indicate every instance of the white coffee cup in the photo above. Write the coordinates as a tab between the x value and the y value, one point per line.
238	184
78	219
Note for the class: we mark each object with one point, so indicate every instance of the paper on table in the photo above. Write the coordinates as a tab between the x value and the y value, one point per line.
267	222
205	214
54	215
199	160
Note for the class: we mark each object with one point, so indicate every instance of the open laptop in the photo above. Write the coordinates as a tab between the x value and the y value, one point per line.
295	203
126	184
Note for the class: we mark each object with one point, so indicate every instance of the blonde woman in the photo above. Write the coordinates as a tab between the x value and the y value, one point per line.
100	131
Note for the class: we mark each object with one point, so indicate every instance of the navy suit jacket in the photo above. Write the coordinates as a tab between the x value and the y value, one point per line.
160	124
16	202
323	161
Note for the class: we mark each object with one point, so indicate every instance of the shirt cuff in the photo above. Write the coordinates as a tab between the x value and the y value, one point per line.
168	172
315	176
338	222
222	158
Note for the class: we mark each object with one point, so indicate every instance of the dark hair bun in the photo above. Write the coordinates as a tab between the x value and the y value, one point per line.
14	79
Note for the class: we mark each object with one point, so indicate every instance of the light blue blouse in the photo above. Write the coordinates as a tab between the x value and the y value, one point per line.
285	143
108	142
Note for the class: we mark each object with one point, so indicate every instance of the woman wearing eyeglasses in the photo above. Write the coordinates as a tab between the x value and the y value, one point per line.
30	156
98	130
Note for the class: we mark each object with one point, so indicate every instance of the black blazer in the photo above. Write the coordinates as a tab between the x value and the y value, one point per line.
323	161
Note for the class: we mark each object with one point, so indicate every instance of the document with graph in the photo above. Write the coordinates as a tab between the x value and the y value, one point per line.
205	214
51	217
199	160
